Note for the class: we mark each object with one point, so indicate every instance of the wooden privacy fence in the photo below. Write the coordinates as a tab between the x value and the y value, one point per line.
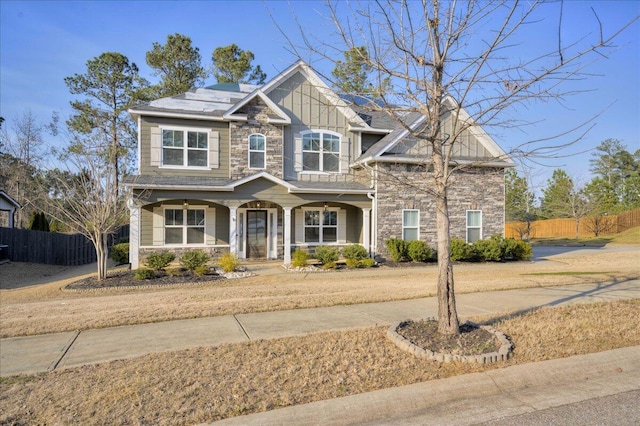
566	228
23	245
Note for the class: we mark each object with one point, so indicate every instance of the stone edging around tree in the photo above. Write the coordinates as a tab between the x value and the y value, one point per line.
489	358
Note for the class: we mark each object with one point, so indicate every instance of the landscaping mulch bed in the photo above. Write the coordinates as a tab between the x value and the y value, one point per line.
124	279
472	340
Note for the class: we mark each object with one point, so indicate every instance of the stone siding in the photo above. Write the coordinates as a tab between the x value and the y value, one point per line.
406	187
257	122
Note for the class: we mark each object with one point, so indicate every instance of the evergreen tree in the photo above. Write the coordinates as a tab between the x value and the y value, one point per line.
233	65
110	85
178	64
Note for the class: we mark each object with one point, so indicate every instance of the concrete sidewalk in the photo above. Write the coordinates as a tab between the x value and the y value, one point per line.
43	353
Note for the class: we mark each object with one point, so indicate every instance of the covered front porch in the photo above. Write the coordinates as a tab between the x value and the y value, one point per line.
257	219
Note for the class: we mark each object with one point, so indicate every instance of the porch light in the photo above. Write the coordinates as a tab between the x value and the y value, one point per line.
258	204
325	206
185	204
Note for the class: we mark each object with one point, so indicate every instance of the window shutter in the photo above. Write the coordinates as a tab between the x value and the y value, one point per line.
342	226
299	231
156	146
297	159
210	223
344	155
158	226
214	149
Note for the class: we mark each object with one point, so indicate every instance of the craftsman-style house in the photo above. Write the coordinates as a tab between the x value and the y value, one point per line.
263	170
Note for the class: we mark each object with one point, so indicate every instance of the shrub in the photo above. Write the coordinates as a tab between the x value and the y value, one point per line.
355	251
194	258
300	258
144	274
174	272
397	249
201	270
516	249
489	250
159	260
329	265
460	250
353	263
326	254
368	262
419	251
120	253
228	262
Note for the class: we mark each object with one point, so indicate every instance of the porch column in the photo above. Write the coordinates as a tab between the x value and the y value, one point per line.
366	229
287	235
134	234
233	226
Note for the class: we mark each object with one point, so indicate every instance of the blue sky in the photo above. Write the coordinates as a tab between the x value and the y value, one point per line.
41	42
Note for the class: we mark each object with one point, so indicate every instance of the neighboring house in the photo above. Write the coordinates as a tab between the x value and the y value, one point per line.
262	171
8	207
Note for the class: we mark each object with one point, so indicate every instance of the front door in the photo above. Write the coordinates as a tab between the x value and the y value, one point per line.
256	234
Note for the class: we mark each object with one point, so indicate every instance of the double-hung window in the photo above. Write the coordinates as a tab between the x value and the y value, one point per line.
410	225
257	151
185	148
320	226
184	226
320	151
474	225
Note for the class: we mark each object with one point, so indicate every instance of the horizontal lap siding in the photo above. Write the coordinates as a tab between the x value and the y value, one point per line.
145	147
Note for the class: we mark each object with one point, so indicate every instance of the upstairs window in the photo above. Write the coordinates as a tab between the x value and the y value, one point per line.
257	151
185	148
320	152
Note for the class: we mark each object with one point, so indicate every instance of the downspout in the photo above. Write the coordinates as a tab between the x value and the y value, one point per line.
374	208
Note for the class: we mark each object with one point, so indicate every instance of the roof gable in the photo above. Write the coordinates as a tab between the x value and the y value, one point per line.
309	74
473	145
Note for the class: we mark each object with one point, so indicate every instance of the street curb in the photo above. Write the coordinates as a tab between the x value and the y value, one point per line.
472	398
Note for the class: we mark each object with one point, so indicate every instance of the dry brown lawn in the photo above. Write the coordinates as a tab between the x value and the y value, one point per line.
207	384
46	308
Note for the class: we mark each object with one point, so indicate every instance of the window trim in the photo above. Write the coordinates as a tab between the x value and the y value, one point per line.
185	227
185	148
417	227
321	226
263	151
472	227
321	151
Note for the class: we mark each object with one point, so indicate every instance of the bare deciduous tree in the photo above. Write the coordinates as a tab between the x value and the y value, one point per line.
84	198
466	59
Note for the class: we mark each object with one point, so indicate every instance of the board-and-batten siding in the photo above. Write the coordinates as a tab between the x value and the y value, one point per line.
310	110
149	124
467	145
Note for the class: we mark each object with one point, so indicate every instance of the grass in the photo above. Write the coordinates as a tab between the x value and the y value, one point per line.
207	384
46	309
628	237
568	273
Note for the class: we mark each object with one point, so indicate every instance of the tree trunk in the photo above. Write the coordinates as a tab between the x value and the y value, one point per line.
101	254
577	229
447	314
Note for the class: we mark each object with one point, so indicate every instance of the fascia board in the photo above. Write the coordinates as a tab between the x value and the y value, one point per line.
135	113
284	118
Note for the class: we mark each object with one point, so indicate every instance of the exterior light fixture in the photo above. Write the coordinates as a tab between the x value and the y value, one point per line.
325	206
258	204
185	204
